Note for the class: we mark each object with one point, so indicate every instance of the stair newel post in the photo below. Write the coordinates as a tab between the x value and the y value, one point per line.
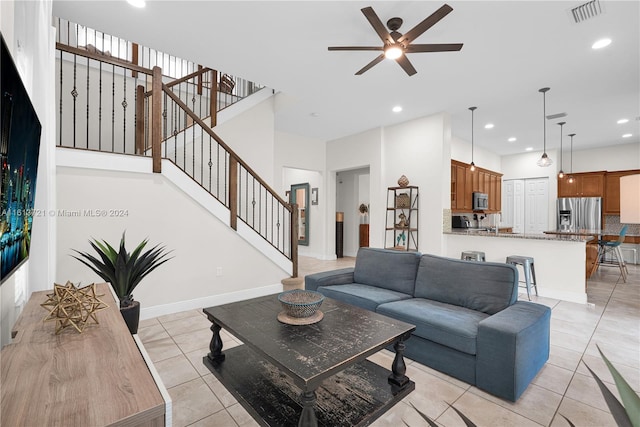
156	119
233	192
294	240
140	119
213	98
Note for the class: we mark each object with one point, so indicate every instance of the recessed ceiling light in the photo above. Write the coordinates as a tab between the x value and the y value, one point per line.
528	149
396	109
512	139
627	135
137	3
601	43
488	126
314	114
623	121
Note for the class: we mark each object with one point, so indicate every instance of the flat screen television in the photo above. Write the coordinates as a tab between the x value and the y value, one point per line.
19	148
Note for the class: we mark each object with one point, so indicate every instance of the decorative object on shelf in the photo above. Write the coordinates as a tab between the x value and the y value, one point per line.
473	165
124	271
300	307
402	220
403	181
402	237
364	213
561	173
571	179
72	306
403	200
544	161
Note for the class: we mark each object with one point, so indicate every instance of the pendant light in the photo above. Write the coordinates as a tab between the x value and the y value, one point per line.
473	165
544	161
571	166
561	173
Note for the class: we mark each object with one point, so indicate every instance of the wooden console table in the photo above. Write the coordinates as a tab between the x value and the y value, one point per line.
95	378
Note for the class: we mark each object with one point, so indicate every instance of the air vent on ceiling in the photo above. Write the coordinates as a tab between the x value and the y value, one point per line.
586	11
556	116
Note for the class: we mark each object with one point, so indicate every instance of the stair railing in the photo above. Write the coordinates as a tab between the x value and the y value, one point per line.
114	111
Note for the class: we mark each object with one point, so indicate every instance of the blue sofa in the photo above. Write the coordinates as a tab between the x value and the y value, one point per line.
469	323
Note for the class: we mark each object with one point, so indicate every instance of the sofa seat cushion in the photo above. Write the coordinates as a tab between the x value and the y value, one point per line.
449	325
364	296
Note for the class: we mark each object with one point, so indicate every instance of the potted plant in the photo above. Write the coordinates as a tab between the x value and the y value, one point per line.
124	271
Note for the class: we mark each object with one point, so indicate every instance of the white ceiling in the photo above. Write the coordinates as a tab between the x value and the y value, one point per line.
511	49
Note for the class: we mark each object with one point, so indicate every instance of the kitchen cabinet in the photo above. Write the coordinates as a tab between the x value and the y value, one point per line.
464	183
587	184
611	202
401	230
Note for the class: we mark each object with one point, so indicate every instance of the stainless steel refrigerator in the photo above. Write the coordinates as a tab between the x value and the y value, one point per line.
579	213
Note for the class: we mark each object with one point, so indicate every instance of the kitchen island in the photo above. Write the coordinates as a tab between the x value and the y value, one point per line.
560	260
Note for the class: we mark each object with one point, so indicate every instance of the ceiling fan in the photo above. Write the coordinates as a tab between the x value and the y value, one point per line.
397	45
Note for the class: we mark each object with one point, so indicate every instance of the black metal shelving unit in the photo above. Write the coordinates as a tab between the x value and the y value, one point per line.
401	229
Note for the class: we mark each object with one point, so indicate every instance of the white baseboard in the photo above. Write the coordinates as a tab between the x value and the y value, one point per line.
210	301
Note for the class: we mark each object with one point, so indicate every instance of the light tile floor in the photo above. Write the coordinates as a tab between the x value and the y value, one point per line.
176	343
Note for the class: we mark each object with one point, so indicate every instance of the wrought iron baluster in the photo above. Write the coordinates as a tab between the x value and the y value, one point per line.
210	164
87	133
74	93
124	108
100	110
61	96
113	107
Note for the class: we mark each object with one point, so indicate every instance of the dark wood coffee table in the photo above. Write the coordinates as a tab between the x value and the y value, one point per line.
309	375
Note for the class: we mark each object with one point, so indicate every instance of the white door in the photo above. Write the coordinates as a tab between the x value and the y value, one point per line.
525	205
537	205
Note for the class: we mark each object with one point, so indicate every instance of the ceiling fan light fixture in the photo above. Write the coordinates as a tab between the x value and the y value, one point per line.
393	51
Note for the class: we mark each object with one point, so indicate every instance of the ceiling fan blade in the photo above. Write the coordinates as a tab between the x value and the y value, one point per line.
355	48
429	22
406	65
370	64
444	47
377	25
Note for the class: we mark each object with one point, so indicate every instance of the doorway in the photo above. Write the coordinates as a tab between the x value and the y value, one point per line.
353	191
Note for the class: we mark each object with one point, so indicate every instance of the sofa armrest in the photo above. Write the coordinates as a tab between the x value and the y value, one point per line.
327	278
512	346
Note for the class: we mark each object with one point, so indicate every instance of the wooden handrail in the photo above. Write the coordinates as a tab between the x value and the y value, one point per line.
188	77
103	58
211	133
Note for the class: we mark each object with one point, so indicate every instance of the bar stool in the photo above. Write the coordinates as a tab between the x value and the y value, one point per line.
472	256
529	271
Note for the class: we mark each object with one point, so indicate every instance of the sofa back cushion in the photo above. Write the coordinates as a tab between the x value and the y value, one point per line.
488	287
389	269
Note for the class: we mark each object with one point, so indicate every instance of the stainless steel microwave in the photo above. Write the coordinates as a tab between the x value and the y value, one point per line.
480	201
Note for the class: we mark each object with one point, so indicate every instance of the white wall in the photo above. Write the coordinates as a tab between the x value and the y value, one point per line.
355	152
461	151
26	27
206	269
307	157
251	135
419	149
617	157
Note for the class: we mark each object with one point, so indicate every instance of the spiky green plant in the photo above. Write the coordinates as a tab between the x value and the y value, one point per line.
123	270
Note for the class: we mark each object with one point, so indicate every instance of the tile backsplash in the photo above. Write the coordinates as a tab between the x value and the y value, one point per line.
612	224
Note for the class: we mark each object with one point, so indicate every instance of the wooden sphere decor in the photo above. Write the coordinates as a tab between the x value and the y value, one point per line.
403	181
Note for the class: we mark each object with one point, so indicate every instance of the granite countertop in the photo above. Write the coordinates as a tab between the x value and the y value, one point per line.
534	236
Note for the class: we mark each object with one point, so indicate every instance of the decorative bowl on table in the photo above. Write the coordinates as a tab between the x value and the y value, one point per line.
300	307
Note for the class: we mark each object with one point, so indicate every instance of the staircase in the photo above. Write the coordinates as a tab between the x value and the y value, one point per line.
109	101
